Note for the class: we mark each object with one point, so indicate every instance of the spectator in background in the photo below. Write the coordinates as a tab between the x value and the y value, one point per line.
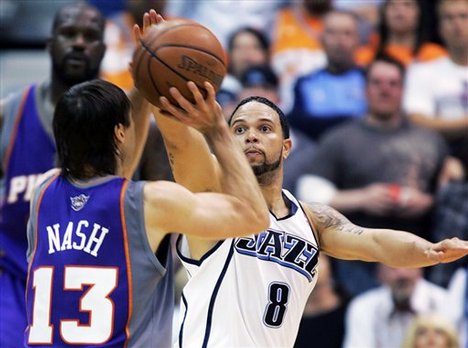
380	317
431	331
225	17
366	11
451	216
246	47
334	94
296	46
402	34
323	319
436	94
380	171
456	308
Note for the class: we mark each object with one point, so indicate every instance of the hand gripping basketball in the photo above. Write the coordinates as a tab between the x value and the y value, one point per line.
173	52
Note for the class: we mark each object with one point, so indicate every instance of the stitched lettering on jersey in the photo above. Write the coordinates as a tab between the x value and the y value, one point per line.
77	237
283	248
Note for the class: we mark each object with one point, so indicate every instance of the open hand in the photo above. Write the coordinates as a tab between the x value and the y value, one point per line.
448	250
203	115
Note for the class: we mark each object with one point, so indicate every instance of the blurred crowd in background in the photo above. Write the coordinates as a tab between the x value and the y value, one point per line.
310	58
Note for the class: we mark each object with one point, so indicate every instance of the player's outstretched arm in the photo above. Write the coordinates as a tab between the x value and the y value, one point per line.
170	207
342	239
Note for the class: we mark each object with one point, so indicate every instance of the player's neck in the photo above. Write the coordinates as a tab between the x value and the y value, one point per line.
273	195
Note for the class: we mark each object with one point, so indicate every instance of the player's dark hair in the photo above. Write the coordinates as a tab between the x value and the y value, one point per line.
269	103
59	15
84	126
386	59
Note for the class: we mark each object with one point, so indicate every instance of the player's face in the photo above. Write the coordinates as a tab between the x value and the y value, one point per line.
384	90
258	129
77	46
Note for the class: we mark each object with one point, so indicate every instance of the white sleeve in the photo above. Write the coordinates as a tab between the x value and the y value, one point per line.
313	188
359	331
417	97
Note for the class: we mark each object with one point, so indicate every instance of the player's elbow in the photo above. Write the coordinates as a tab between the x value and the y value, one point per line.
255	218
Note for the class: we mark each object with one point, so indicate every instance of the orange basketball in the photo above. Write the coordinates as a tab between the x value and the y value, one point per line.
174	52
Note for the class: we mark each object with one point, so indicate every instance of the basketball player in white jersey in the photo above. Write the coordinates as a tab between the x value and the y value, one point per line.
251	291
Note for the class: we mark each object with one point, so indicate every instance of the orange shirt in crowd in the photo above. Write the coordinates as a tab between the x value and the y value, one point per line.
428	51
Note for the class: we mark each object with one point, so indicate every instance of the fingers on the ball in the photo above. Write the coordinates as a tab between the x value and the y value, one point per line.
195	92
184	103
153	16
211	91
136	32
167	106
146	20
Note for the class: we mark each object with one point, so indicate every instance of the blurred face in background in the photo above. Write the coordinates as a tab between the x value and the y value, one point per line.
401	16
318	7
246	51
431	337
453	23
340	39
401	282
384	90
77	45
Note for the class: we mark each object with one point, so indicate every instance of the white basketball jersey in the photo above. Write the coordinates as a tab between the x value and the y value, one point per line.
250	291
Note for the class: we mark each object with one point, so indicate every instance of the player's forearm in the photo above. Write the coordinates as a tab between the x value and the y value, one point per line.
401	249
237	176
192	163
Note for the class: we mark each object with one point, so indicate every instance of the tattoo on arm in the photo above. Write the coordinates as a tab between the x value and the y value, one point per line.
329	218
171	159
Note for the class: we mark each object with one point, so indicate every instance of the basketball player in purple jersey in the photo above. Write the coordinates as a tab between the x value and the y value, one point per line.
99	265
27	148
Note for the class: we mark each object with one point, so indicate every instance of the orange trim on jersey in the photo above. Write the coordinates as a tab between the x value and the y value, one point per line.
127	259
33	255
18	117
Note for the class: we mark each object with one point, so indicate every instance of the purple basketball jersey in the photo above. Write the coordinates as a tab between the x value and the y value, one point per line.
79	283
30	152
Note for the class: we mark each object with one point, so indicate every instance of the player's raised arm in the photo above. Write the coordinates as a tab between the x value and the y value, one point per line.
206	116
192	163
342	239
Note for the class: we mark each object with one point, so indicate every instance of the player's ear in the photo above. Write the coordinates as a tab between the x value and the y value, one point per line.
119	133
287	146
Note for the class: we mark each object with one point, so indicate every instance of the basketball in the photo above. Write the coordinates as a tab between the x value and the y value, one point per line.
174	52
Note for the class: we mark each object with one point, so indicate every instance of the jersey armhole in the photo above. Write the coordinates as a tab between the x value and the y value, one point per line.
311	223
